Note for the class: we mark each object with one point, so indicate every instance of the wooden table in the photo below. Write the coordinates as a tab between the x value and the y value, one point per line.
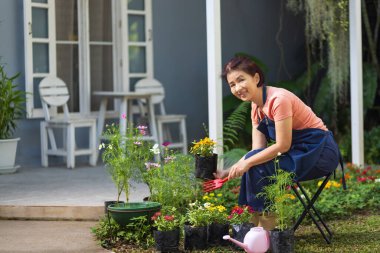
125	109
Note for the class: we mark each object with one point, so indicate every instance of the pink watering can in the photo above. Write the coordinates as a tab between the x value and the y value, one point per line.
255	241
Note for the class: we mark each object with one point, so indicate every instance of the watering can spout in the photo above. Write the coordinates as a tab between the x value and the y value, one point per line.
240	244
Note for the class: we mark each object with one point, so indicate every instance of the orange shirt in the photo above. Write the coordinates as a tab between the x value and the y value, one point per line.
281	104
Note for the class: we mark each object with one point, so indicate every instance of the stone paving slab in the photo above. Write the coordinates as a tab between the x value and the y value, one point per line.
17	236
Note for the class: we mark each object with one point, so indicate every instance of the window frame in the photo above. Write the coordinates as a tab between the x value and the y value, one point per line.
120	44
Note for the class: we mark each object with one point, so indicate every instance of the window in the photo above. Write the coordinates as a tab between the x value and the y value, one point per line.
90	44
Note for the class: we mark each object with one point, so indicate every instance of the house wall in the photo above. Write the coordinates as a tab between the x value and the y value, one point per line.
180	54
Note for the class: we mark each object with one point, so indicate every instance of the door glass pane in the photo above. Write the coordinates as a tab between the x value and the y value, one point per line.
36	93
40	58
66	20
136	27
136	5
39	1
100	20
39	22
137	62
101	73
68	71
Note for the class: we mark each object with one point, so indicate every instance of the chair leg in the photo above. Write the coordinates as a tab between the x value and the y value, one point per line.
92	144
44	144
70	146
184	136
310	205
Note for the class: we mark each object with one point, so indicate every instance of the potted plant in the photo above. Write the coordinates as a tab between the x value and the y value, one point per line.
206	160
197	220
279	202
240	220
11	109
171	182
125	156
167	223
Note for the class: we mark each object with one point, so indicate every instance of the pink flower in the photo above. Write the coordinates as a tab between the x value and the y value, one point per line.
166	143
123	115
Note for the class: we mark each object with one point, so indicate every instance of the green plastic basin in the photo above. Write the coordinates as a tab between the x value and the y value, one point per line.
123	213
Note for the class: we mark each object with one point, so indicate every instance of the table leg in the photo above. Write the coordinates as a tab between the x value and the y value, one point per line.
152	120
102	114
123	115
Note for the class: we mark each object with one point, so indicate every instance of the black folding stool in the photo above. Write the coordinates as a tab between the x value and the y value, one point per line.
309	204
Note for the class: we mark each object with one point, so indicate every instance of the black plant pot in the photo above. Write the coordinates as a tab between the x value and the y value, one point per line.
166	241
215	233
195	237
239	231
282	241
111	202
205	166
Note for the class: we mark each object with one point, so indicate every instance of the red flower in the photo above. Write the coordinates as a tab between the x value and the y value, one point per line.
169	217
166	143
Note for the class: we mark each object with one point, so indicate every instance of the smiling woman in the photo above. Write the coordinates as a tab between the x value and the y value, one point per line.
308	149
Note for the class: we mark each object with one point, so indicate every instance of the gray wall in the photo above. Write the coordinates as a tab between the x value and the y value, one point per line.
180	54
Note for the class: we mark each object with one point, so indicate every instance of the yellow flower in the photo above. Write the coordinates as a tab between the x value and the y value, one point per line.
290	196
219	195
205	197
212	194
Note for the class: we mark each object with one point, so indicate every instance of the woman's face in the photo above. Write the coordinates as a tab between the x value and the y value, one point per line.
243	85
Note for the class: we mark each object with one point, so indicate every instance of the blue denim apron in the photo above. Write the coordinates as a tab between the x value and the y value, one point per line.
313	154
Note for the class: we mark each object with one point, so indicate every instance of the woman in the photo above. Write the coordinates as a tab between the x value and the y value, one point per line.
307	147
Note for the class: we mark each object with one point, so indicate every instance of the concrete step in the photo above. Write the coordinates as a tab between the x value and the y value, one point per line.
73	213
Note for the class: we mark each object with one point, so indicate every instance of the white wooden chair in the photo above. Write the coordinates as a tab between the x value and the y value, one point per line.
54	93
154	86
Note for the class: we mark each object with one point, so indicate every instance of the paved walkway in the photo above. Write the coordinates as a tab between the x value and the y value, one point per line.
55	188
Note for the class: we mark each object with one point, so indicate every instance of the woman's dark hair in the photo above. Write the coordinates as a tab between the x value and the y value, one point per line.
245	64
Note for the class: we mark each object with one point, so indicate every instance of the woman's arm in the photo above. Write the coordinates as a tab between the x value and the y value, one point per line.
282	145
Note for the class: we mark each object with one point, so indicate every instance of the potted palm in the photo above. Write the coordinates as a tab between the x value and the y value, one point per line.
125	155
12	108
279	201
206	160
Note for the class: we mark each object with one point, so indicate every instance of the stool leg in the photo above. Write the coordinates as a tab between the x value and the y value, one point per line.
309	206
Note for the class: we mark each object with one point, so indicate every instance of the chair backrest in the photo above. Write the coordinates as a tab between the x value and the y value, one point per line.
53	92
154	86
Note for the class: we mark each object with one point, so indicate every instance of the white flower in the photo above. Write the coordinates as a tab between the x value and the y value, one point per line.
101	146
207	205
279	153
377	180
155	149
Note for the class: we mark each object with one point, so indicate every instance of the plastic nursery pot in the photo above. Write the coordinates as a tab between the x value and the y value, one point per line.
195	237
282	241
124	212
167	241
205	166
215	233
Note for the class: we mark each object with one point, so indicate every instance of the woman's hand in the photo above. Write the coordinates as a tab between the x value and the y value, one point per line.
238	169
221	173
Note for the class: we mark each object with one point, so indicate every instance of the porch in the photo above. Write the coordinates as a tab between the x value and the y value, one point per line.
58	193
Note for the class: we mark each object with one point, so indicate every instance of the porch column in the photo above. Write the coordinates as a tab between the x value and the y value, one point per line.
214	66
356	73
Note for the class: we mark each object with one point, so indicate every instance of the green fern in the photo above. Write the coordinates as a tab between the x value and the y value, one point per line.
235	123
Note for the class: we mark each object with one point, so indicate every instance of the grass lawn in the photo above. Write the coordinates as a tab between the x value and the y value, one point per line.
361	234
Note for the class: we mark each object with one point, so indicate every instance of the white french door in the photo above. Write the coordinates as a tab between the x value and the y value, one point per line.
90	44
